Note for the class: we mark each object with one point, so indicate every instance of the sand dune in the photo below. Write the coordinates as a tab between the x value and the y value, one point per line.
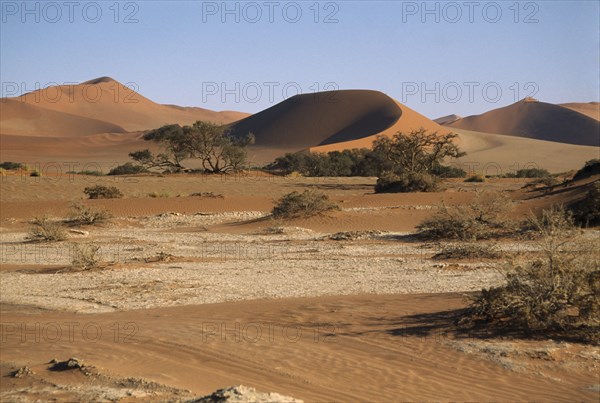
445	120
105	100
330	120
591	109
20	118
538	120
492	154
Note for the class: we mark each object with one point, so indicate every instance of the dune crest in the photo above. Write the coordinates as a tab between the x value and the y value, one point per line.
331	120
533	119
112	106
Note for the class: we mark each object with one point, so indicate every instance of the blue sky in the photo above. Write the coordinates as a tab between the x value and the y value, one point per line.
436	57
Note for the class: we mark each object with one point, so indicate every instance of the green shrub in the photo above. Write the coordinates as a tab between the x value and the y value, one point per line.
8	165
84	215
475	178
305	204
483	218
532	173
407	182
559	292
45	230
128	169
448	172
103	192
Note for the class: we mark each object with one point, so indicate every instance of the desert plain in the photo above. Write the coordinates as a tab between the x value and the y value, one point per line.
198	287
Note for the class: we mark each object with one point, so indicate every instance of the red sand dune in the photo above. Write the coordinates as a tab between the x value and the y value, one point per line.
112	106
537	120
333	119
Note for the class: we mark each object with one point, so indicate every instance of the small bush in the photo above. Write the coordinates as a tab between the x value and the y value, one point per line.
587	211
8	165
85	256
45	230
484	218
475	178
35	174
209	195
407	182
559	292
468	251
84	215
448	172
591	167
532	173
103	192
128	169
155	195
305	204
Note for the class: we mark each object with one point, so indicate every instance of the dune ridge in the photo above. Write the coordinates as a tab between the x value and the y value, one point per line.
537	120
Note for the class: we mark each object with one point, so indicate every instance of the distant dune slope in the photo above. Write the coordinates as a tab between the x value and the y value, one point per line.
591	109
493	154
102	99
537	120
330	120
20	118
444	120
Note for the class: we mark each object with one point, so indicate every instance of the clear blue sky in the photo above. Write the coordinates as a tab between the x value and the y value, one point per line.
181	52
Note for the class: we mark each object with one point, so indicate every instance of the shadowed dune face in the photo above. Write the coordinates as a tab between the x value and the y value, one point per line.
311	120
536	120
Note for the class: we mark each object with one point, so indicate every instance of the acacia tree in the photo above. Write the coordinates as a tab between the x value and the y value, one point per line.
218	150
417	151
412	159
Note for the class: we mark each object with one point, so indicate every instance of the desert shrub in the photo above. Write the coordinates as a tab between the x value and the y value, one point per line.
558	292
484	218
103	192
448	172
532	173
355	162
551	223
209	195
155	195
127	169
8	165
83	215
406	182
305	204
86	172
587	211
35	174
469	250
45	230
475	178
85	256
591	167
